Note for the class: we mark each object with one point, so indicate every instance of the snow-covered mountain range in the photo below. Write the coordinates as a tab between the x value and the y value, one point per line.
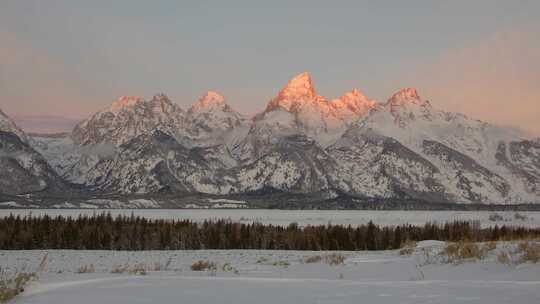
301	143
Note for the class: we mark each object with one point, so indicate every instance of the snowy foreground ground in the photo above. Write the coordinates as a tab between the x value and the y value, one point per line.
273	277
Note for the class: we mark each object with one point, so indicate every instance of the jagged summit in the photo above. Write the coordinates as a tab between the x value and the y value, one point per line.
124	102
296	92
351	103
300	86
127	118
406	96
210	100
209	119
297	95
161	97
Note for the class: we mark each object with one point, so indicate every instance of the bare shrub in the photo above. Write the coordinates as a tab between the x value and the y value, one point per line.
262	260
86	269
504	258
406	251
12	285
163	267
520	217
330	259
139	269
530	252
229	268
408	248
281	263
489	246
313	259
203	266
44	263
120	268
334	259
461	251
495	217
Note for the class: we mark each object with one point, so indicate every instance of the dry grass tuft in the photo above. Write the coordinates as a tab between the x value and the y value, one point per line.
11	286
203	266
530	252
313	259
120	269
227	267
334	259
504	258
139	269
490	246
331	259
495	217
163	267
520	217
408	248
86	269
461	251
281	263
262	260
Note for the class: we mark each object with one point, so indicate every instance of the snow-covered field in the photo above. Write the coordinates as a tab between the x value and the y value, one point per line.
272	277
307	217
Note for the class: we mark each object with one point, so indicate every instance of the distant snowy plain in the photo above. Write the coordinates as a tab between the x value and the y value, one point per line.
306	217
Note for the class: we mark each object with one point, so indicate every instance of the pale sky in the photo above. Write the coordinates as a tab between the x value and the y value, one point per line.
71	58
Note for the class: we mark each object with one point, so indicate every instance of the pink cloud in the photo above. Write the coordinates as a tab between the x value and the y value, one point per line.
31	82
496	79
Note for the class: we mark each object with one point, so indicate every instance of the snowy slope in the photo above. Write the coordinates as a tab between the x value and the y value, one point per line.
157	163
210	119
456	157
8	125
23	170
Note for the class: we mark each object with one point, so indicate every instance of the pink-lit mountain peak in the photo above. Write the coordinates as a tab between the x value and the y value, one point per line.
354	98
124	102
300	87
299	97
210	100
298	93
352	104
406	96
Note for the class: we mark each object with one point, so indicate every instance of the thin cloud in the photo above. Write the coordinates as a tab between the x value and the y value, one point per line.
32	82
495	79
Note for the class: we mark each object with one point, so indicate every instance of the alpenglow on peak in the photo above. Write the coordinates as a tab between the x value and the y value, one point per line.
406	96
124	102
300	86
209	100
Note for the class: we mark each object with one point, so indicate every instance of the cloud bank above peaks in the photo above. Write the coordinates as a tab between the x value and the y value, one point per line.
494	79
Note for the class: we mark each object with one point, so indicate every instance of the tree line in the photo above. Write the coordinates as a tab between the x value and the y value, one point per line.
105	232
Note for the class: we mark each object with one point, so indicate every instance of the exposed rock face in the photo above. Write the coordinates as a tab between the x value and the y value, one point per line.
209	120
127	118
153	163
7	125
23	170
